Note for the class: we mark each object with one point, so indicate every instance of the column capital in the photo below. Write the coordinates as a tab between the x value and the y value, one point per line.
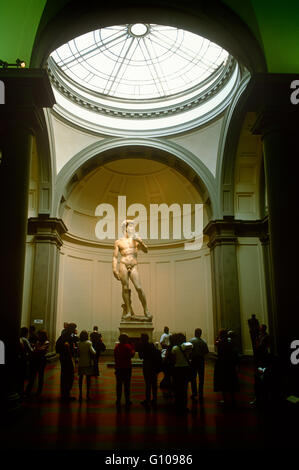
26	88
227	230
47	229
26	92
270	95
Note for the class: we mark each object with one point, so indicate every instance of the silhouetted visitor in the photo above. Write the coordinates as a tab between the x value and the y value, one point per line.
168	360
261	361
38	362
254	328
268	385
199	351
76	341
24	360
98	346
150	355
32	338
123	353
262	346
182	371
65	347
86	354
164	340
225	371
65	325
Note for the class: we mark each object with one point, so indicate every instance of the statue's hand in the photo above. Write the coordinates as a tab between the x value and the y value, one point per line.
116	275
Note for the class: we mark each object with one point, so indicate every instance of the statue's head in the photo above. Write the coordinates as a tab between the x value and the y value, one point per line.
128	226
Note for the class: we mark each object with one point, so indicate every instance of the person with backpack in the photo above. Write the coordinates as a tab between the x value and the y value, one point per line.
152	365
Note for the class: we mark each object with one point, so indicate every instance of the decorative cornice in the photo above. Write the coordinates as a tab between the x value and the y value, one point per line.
270	96
80	241
155	112
27	91
47	229
276	120
228	230
27	88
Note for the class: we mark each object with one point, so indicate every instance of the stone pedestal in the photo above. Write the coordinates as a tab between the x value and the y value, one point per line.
134	329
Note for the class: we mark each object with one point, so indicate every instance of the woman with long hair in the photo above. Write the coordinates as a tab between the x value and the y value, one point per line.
86	354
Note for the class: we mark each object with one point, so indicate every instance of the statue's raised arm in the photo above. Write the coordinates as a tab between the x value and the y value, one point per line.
141	244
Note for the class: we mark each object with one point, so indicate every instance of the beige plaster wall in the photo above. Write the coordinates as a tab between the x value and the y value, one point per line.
177	284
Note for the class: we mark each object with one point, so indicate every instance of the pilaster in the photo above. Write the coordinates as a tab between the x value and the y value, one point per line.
223	242
47	238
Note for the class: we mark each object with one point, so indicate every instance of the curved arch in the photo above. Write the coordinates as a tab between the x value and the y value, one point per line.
212	19
96	149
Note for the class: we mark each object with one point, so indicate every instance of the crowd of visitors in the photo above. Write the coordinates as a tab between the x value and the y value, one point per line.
181	362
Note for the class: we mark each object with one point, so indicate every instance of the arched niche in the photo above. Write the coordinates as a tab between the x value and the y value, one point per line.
109	150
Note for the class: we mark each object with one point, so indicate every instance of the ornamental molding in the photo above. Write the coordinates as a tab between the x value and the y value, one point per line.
47	230
113	111
228	230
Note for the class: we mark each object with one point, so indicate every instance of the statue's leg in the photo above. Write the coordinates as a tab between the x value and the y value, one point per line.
136	281
124	277
126	297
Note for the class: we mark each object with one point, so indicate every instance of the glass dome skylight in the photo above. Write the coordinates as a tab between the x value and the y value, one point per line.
141	79
139	61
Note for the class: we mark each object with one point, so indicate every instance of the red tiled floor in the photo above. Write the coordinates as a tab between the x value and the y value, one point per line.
96	425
